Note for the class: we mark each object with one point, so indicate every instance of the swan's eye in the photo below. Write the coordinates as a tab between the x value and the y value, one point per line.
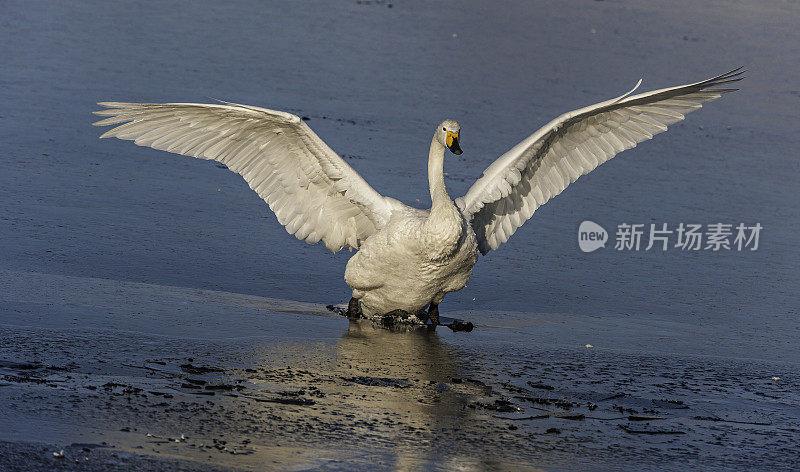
443	129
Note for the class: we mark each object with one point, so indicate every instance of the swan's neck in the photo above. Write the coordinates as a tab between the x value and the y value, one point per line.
442	230
439	196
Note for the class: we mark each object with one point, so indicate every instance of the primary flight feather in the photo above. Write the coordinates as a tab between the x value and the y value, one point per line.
407	258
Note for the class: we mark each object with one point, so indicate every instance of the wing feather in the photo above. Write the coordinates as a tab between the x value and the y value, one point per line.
544	164
313	192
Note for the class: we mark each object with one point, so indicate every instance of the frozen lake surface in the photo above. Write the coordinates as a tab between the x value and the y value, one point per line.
142	292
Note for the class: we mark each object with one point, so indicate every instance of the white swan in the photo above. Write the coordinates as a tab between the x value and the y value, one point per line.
407	258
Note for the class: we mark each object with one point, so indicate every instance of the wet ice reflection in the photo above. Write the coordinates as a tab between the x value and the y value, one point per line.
406	392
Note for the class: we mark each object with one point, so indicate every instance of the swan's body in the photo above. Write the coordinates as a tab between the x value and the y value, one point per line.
407	258
395	270
418	256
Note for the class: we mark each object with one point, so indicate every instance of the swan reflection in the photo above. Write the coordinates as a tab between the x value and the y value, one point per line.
402	393
378	399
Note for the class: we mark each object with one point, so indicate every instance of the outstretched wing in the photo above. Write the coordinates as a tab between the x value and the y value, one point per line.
314	193
574	144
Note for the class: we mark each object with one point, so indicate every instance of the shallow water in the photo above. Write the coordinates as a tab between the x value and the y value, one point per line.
115	254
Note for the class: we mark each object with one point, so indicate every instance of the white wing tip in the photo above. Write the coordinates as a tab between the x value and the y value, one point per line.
618	99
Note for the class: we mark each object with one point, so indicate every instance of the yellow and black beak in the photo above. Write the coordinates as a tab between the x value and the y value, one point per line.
452	143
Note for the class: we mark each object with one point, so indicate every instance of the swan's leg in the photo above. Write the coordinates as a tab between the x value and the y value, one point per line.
433	313
353	309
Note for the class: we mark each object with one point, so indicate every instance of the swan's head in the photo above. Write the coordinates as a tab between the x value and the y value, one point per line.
447	134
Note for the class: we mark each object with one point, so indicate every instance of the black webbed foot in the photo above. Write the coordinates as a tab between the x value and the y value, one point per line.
454	324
